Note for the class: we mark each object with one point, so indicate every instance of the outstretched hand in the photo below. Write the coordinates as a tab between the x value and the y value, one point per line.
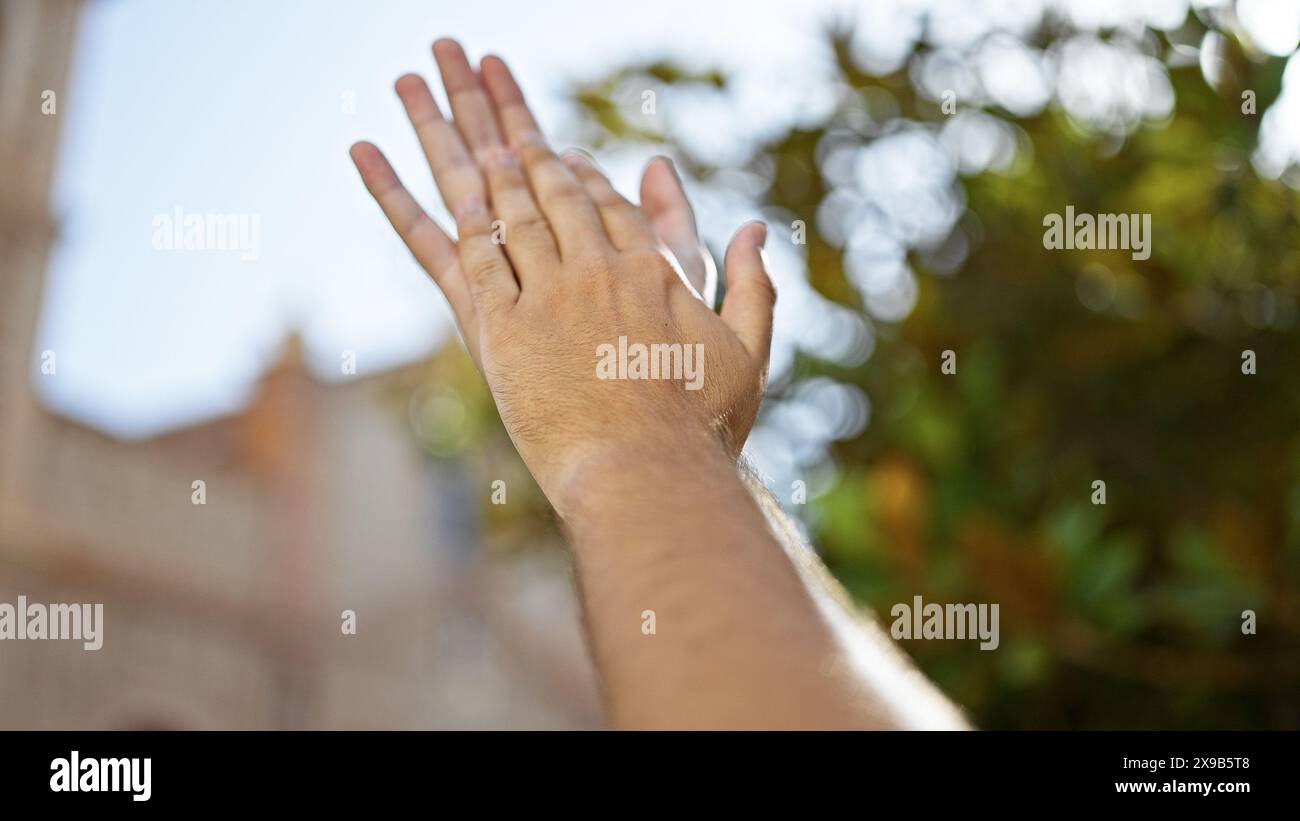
628	398
552	267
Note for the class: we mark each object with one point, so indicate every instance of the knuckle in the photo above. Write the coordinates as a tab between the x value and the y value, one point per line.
489	268
564	190
456	164
620	207
594	266
532	223
473	226
503	176
415	227
536	153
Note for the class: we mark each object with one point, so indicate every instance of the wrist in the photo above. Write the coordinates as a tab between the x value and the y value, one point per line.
625	466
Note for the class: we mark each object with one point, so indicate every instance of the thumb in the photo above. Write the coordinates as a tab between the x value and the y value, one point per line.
750	297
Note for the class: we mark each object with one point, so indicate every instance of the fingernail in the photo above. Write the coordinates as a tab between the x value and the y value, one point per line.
762	232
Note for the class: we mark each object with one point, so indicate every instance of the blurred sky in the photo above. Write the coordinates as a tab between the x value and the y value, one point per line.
238	107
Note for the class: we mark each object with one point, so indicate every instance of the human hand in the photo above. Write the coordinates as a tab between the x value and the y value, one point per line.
575	268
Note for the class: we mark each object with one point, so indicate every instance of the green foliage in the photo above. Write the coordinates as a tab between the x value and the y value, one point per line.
977	487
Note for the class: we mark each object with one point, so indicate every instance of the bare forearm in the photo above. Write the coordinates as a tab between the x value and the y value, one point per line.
739	638
882	671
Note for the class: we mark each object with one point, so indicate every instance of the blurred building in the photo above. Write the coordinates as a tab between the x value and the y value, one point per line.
315	501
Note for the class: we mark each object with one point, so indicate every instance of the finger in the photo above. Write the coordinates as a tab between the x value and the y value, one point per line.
554	186
563	200
624	223
470	106
528	240
430	246
671	218
513	115
750	298
511	108
487	270
552	183
454	169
